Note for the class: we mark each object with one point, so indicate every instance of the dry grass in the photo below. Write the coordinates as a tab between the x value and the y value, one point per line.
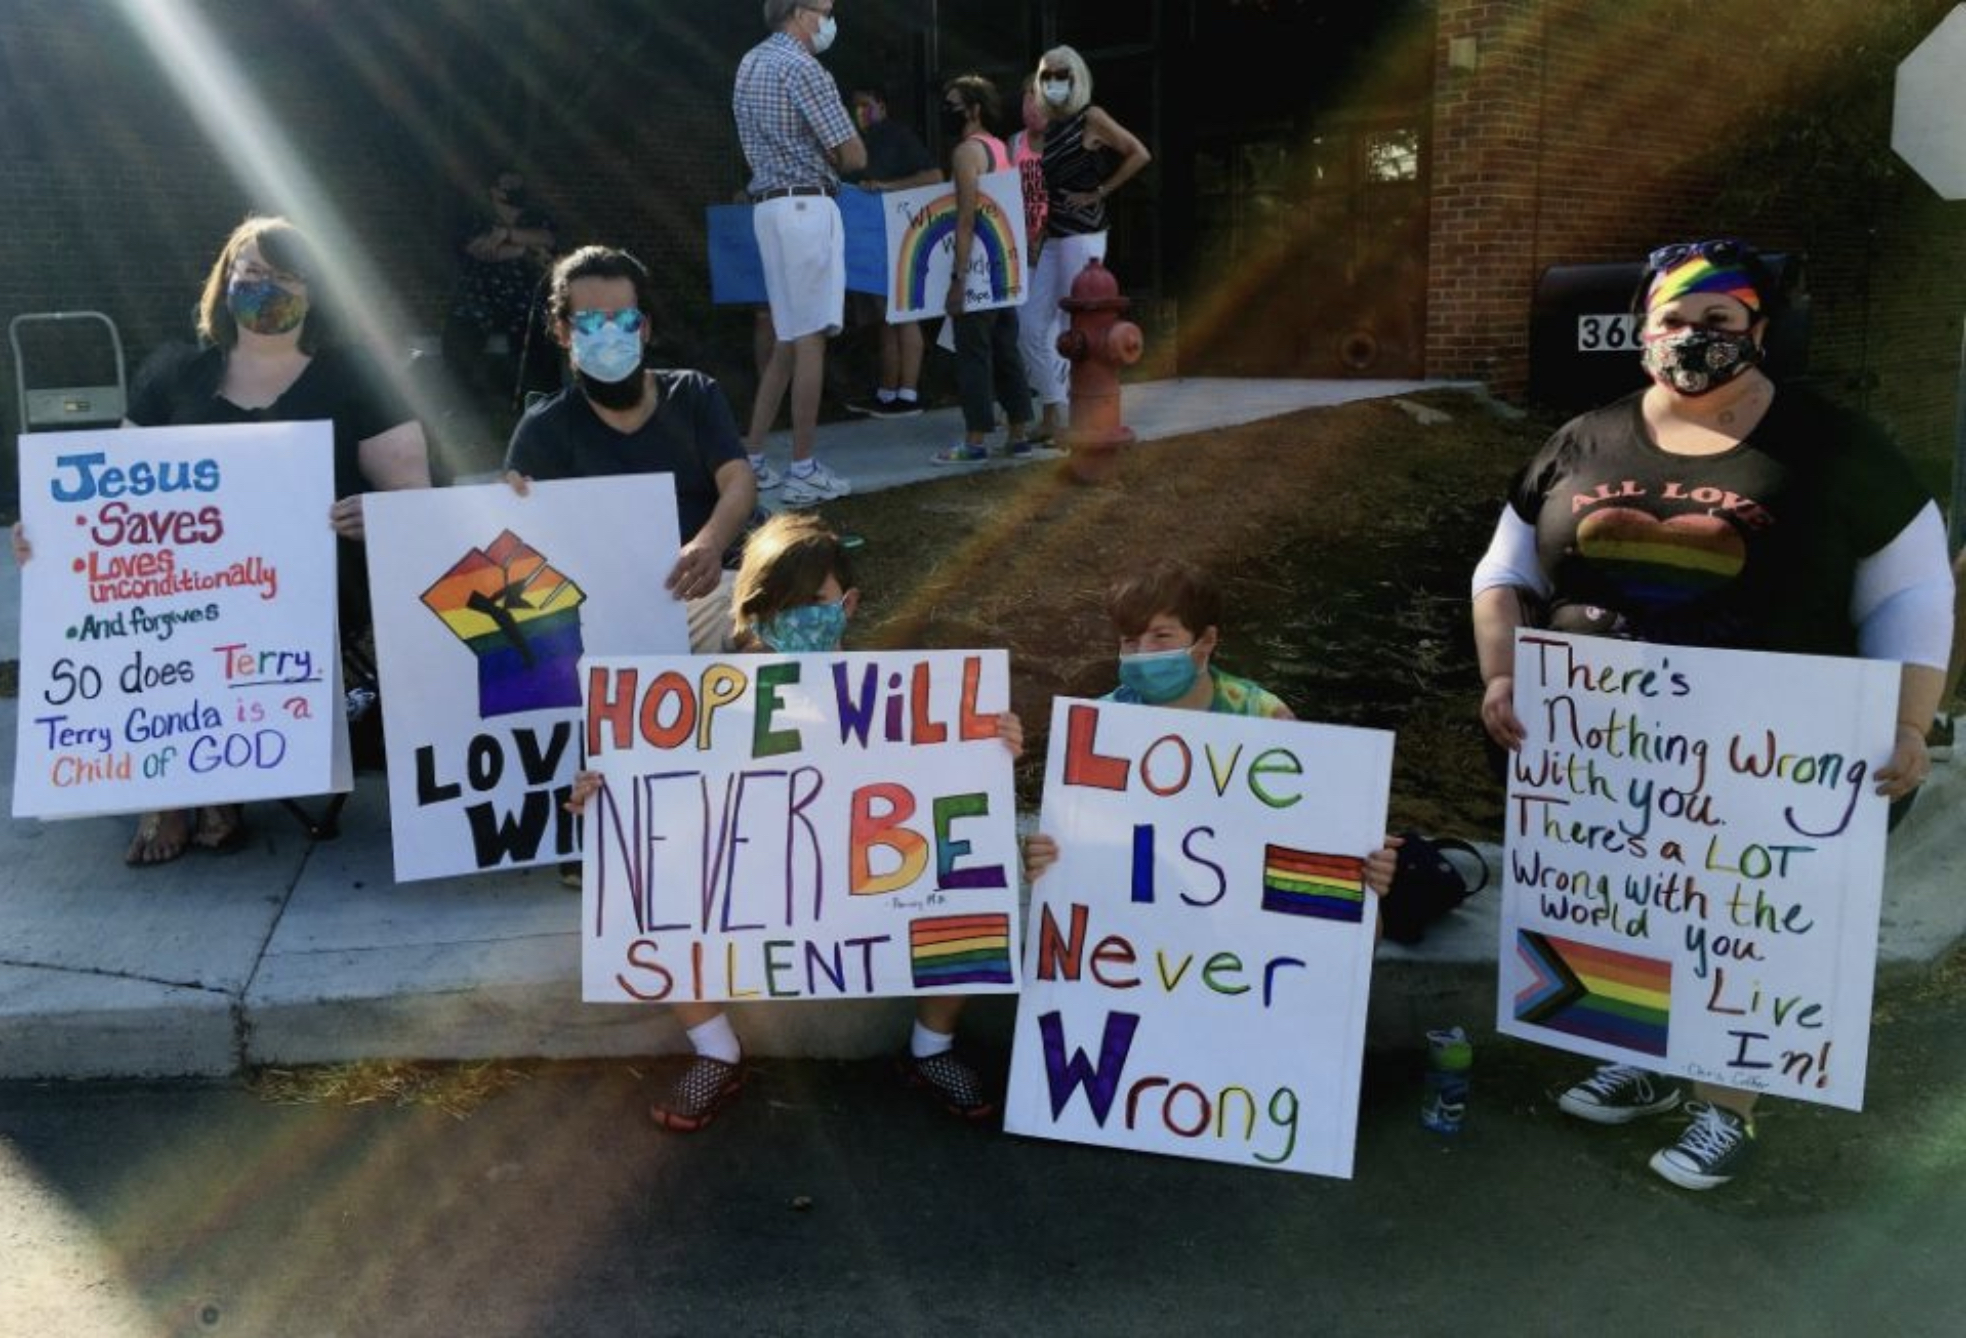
454	1089
1343	537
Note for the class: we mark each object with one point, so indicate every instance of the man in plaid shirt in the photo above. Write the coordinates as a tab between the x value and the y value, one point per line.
797	138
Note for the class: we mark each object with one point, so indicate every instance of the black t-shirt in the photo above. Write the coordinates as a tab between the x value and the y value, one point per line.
690	435
893	151
1754	548
178	386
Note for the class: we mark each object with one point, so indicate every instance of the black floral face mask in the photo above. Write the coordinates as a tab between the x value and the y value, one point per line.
1693	362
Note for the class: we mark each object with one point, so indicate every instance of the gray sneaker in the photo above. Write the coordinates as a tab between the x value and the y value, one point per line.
1619	1094
1710	1152
820	485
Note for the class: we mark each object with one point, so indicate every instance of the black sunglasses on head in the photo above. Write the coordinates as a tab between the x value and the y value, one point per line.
1719	250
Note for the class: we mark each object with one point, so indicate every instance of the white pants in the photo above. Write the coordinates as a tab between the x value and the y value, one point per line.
803	245
1040	322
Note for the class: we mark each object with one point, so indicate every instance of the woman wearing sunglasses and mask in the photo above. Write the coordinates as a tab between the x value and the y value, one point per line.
1817	537
620	417
1087	156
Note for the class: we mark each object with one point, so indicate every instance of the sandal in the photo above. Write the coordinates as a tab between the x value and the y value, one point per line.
704	1087
160	837
220	829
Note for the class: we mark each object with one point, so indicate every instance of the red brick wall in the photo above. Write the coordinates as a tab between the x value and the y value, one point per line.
1591	131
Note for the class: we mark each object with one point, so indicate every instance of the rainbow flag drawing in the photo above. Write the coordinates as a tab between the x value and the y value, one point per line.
960	950
1669	561
1324	887
996	237
521	618
1599	994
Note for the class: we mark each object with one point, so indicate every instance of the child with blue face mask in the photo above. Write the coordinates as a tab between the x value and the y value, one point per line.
795	594
1168	616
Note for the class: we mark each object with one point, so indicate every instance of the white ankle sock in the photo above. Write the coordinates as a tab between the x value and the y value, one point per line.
926	1043
905	395
801	468
716	1039
884	395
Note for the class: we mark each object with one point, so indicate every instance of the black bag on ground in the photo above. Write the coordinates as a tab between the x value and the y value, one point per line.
1426	885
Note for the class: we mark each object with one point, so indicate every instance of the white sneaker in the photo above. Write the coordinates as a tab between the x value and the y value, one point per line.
768	478
821	485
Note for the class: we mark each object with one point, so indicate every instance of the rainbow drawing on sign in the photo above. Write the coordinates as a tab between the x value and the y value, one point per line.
521	618
1324	887
960	950
1598	994
937	222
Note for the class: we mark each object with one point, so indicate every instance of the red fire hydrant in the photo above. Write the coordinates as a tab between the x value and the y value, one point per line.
1098	345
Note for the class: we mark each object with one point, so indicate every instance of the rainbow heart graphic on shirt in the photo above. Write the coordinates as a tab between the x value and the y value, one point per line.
1658	561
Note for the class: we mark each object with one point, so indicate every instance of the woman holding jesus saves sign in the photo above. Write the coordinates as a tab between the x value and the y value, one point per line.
267	352
1711	509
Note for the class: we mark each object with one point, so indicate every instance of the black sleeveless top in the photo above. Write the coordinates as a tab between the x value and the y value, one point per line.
1070	167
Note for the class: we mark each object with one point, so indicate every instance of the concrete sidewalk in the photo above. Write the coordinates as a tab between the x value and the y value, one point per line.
288	952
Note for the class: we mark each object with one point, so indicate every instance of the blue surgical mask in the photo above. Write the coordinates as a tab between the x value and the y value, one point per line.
829	28
609	354
1159	676
1056	91
804	627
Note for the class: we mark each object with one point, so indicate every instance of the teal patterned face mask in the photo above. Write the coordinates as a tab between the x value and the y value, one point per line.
804	627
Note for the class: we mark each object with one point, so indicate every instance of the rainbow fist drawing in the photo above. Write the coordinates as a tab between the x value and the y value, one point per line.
521	618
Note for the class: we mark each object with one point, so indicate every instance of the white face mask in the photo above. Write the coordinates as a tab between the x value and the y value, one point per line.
1055	92
829	28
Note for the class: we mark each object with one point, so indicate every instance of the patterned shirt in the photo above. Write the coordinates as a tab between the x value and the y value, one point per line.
1070	168
789	114
1233	696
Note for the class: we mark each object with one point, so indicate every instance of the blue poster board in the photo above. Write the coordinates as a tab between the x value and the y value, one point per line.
737	274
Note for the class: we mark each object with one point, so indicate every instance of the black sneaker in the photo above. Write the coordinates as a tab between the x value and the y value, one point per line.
1712	1150
949	1080
897	408
1619	1094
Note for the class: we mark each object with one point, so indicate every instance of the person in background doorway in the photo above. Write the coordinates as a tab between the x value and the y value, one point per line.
896	160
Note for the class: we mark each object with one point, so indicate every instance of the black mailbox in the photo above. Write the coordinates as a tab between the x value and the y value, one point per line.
1583	339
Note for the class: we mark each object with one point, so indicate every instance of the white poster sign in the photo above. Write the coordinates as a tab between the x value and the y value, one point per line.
177	618
1199	958
485	602
829	826
1695	860
921	248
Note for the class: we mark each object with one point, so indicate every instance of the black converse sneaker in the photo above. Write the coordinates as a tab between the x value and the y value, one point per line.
1710	1152
1619	1094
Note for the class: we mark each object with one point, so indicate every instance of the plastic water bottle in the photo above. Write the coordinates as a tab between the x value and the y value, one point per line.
1450	1057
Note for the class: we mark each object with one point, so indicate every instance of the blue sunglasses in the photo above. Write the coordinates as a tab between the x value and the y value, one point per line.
628	319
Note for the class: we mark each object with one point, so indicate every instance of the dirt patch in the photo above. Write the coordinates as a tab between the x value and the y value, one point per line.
1344	538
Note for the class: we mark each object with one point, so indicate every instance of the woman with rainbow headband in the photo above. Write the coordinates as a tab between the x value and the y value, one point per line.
794	594
1821	542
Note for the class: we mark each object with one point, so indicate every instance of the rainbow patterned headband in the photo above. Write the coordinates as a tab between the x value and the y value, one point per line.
1697	274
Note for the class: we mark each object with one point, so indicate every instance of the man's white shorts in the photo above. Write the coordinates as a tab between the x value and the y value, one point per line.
803	245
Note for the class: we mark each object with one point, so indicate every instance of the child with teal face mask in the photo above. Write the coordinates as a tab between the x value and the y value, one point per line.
1168	616
794	594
